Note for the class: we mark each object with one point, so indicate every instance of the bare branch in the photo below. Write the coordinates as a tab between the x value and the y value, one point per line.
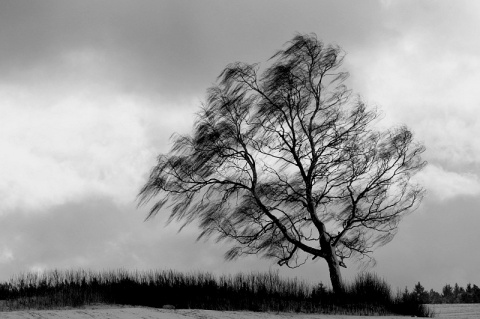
284	163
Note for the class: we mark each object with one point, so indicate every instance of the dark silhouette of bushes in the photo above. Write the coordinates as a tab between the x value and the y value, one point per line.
367	295
455	294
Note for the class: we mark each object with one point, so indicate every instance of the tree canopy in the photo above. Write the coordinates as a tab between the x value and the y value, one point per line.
284	162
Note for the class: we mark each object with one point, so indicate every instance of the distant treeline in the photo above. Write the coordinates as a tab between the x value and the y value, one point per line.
455	294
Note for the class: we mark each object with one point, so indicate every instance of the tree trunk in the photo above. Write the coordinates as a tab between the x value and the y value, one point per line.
335	274
333	266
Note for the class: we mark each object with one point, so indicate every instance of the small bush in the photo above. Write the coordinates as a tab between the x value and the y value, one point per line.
368	295
408	304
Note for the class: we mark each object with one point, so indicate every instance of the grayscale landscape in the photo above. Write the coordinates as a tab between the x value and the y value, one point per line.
239	159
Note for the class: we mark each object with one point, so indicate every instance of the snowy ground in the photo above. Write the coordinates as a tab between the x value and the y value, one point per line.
106	312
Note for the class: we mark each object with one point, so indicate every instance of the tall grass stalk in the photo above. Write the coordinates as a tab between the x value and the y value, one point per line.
367	295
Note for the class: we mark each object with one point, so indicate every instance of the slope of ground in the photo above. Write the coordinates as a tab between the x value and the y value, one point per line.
106	312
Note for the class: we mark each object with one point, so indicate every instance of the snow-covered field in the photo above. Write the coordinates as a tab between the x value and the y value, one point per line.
119	312
153	313
457	311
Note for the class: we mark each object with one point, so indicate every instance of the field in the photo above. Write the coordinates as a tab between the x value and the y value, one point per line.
457	311
152	313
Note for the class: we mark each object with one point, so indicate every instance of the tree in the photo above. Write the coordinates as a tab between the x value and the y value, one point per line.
434	297
420	294
476	294
447	293
286	164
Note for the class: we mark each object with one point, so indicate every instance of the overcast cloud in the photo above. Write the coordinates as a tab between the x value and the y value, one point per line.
91	91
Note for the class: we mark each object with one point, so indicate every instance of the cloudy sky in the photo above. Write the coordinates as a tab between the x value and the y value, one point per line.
91	91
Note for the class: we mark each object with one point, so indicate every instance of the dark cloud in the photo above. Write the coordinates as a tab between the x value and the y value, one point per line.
99	235
435	246
173	48
72	235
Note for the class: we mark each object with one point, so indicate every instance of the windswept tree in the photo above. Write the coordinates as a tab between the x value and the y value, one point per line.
286	164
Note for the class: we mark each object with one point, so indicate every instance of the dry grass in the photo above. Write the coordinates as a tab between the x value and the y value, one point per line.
367	295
